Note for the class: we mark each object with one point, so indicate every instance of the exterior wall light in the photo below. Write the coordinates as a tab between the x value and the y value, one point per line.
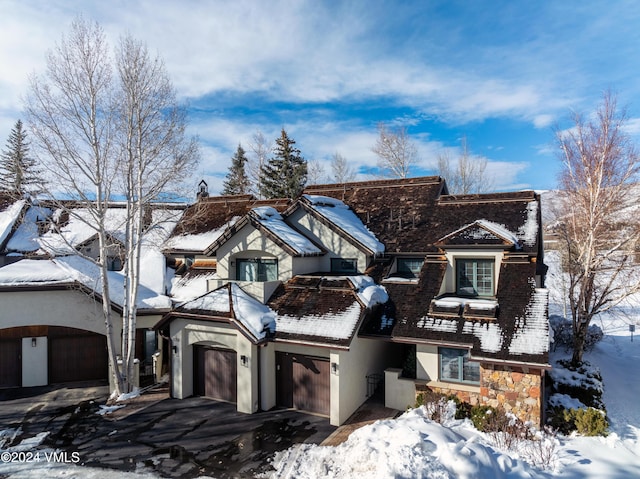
244	360
334	368
34	342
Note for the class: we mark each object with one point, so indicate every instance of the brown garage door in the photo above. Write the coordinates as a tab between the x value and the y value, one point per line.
302	383
81	357
10	363
215	373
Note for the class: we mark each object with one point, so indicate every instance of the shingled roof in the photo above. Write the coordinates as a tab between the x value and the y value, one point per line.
210	216
413	214
317	309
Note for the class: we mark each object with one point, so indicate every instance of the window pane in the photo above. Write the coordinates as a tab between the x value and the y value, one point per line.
471	370
475	277
456	367
449	364
257	269
344	265
247	270
410	266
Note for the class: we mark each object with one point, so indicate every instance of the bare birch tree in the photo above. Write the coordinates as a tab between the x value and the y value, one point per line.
396	153
72	119
342	171
597	221
315	173
465	175
99	135
260	150
155	156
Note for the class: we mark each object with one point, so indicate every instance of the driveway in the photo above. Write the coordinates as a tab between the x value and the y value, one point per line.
173	438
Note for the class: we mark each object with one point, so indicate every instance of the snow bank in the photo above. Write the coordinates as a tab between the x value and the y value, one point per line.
269	217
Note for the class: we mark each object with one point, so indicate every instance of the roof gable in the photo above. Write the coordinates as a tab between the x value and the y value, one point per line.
341	219
480	232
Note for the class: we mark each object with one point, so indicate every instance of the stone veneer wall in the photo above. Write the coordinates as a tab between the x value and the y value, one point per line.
516	390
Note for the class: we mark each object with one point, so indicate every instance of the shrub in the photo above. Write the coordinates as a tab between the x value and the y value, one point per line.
588	422
480	415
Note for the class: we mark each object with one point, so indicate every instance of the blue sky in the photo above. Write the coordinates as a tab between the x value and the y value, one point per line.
500	73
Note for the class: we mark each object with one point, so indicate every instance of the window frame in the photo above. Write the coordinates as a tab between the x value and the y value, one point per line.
464	365
341	270
475	261
260	269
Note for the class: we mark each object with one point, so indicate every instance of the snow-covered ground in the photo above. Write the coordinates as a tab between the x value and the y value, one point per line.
413	447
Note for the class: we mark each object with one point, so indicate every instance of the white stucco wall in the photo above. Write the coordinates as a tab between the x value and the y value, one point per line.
399	393
349	385
336	246
185	335
34	361
68	308
251	243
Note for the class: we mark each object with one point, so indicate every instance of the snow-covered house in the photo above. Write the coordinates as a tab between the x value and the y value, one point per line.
279	327
51	324
465	277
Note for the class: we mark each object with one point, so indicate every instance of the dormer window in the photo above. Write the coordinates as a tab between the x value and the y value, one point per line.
409	267
475	277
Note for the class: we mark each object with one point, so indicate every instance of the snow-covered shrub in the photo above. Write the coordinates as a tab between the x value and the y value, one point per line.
576	401
583	382
563	334
542	450
438	407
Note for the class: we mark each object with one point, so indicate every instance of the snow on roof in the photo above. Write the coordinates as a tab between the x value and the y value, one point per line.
76	269
8	218
251	313
485	230
78	230
29	271
529	231
198	241
25	238
214	301
338	325
255	316
269	217
531	334
342	216
191	285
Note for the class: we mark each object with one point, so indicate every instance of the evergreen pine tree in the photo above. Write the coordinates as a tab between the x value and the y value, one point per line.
285	175
17	168
237	182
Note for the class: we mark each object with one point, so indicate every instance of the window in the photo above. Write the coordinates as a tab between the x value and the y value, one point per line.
474	277
114	263
257	269
456	367
342	265
408	267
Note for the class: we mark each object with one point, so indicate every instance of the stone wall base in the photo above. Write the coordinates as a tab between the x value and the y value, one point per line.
516	390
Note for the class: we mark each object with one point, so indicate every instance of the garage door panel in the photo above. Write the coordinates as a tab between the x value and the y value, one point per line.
303	382
78	358
10	363
216	373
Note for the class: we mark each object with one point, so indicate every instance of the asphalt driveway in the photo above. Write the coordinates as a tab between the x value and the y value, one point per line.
174	438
